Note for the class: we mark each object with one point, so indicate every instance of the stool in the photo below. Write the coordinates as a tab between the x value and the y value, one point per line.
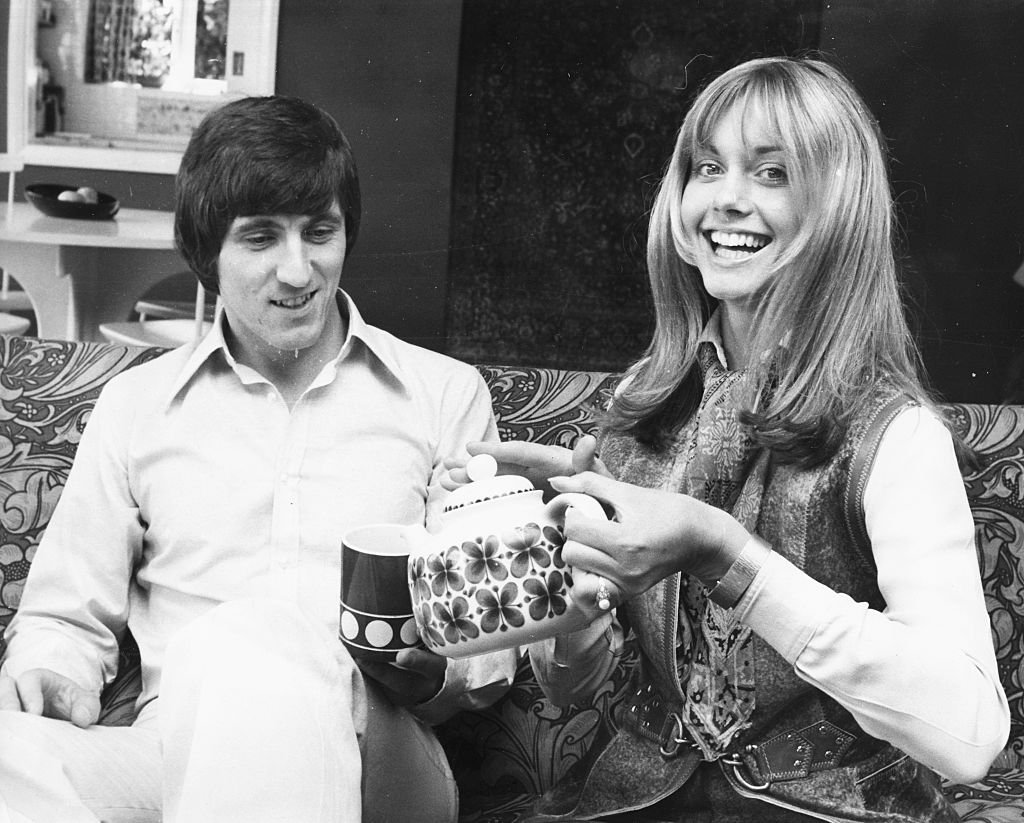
12	299
12	324
167	334
170	332
167	309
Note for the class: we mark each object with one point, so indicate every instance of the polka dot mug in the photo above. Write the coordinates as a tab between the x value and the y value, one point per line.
376	620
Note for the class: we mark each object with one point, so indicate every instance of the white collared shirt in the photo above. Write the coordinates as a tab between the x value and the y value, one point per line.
194	485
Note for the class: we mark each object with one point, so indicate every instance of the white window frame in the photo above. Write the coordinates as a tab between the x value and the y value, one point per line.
254	34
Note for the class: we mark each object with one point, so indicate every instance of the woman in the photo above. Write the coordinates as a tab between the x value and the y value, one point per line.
791	541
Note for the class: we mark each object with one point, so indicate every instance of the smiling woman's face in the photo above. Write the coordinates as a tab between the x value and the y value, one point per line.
278	275
739	209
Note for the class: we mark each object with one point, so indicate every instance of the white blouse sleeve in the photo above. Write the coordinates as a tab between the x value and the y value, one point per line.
921	674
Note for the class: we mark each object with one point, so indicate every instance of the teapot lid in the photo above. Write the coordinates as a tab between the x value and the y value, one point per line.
484	485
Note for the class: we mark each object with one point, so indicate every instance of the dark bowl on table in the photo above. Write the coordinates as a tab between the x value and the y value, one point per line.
44	197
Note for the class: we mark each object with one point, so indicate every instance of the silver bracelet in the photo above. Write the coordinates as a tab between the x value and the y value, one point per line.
737	579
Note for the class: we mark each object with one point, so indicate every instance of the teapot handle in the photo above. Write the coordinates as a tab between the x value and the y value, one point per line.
588	505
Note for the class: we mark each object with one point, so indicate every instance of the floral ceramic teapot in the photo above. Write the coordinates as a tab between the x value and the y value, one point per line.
493	577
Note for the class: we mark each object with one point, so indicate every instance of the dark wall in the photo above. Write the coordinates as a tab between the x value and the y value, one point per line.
386	71
944	79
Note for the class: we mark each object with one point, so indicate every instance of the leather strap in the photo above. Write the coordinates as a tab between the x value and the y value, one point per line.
645	714
791	755
787	755
860	470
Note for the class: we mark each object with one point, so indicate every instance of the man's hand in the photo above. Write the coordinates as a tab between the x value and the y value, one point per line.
41	691
415	676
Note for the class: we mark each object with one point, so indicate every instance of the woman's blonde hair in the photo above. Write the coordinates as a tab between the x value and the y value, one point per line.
833	317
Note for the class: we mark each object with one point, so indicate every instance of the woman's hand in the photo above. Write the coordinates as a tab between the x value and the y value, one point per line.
653	534
534	461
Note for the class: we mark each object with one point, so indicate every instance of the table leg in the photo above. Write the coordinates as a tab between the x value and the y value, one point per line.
75	288
39	270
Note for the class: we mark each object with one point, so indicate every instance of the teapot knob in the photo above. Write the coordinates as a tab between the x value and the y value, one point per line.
481	467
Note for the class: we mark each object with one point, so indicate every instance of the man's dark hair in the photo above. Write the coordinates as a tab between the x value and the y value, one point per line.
254	156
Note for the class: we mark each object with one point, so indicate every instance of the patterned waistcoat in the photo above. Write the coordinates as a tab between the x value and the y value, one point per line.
797	749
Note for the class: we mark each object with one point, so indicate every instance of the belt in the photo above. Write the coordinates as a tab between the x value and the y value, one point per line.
788	755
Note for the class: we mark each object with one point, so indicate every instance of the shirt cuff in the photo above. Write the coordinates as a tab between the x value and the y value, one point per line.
52	651
784	606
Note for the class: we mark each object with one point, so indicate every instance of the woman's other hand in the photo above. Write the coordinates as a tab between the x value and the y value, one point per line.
651	535
594	594
534	461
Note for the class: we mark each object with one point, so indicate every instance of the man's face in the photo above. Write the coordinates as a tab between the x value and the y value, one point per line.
278	276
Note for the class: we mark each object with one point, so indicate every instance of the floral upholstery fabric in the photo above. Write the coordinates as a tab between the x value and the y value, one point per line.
47	390
505	755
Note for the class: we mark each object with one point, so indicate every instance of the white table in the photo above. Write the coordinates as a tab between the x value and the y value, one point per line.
80	273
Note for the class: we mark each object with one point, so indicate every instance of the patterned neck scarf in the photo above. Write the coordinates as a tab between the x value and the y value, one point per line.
727	469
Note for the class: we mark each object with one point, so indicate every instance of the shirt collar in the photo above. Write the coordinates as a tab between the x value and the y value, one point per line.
378	343
712	334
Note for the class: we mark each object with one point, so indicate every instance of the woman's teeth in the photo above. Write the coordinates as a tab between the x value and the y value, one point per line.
293	302
735	245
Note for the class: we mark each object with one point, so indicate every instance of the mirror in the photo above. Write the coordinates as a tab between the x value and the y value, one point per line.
120	84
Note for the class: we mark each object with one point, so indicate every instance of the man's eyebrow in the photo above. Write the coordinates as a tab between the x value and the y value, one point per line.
264	221
327	216
256	221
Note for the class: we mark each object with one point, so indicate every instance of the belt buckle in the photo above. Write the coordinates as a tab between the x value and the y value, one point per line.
739	772
673	735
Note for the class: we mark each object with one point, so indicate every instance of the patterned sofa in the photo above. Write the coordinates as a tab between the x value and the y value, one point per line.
517	748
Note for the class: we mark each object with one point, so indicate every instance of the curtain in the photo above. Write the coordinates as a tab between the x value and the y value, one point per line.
566	116
110	41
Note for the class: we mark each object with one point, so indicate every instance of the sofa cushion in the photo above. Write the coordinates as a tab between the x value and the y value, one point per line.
508	753
995	489
47	390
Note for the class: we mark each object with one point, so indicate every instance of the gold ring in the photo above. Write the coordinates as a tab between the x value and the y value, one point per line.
603	596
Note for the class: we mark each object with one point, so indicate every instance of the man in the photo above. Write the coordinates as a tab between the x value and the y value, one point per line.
204	513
